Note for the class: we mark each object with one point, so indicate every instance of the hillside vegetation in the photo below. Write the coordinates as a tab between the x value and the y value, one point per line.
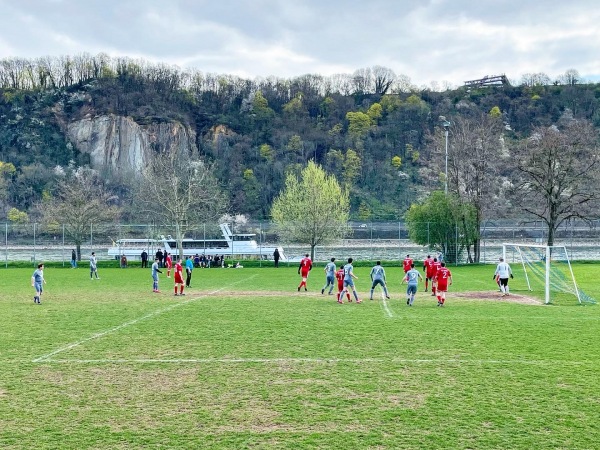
377	133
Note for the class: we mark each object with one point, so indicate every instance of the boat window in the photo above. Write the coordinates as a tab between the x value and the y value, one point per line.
243	237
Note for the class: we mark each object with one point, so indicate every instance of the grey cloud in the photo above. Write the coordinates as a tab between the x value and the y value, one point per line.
438	40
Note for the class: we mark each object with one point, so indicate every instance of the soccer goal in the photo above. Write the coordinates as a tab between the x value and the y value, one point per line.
546	267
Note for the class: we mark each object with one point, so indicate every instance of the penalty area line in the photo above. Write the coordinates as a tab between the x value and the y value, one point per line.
132	322
386	308
450	361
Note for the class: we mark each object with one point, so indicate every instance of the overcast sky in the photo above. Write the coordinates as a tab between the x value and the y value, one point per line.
426	40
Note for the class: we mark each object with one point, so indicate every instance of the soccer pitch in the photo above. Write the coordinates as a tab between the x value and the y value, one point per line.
245	361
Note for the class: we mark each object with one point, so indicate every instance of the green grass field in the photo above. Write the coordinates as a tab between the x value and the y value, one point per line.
245	361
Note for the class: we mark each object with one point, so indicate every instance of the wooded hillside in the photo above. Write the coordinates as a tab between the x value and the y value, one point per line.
377	133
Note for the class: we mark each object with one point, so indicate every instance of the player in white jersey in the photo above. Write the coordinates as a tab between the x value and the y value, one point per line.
503	271
93	266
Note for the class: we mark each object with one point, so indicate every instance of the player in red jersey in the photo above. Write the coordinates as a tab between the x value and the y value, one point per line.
434	269
303	269
444	279
428	269
407	263
168	263
179	277
339	276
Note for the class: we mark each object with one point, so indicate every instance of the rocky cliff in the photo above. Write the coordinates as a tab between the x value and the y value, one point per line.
123	144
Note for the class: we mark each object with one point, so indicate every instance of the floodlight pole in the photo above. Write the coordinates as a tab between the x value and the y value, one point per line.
446	126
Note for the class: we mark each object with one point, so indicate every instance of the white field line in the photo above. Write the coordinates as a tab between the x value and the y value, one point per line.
452	361
386	308
133	322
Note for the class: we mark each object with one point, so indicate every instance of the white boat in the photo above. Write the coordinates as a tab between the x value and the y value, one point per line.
231	245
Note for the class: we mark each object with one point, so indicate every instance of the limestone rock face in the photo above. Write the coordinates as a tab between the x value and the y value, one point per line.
122	144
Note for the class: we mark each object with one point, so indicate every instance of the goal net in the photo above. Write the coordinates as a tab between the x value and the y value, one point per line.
546	268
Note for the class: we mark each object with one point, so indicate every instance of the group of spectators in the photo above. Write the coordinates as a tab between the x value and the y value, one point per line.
199	261
209	261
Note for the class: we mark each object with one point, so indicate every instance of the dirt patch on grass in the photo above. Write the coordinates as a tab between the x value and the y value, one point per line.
473	296
497	297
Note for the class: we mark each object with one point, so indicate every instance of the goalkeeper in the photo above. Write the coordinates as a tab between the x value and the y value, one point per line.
503	271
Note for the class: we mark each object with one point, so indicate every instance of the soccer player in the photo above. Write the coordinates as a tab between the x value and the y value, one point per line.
443	279
349	278
178	277
428	269
93	266
189	267
339	275
378	277
329	276
155	272
412	277
503	271
168	263
407	263
37	282
303	269
434	270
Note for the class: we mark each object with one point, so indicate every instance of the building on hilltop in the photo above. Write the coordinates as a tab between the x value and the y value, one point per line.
488	80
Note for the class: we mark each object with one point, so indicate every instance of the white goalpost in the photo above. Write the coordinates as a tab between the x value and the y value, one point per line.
548	266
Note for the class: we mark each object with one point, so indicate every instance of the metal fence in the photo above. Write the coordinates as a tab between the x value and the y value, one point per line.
364	241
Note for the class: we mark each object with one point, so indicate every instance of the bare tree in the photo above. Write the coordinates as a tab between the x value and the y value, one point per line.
80	202
571	77
558	173
403	84
179	190
384	78
474	155
341	83
362	80
535	79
